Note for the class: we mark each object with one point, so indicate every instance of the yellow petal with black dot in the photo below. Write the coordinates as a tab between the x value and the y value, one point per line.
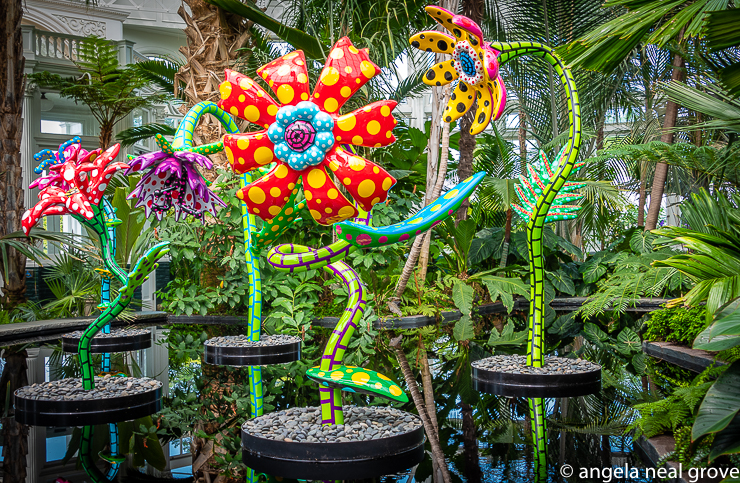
461	101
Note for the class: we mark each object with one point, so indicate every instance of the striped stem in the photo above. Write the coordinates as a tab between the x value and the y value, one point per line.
535	227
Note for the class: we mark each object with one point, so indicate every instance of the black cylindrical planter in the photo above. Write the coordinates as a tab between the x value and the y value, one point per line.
334	461
536	385
86	412
257	355
111	343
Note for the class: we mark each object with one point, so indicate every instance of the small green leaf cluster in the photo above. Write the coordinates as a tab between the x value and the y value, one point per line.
676	325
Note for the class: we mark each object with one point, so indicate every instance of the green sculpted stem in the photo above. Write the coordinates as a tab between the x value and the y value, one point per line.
536	223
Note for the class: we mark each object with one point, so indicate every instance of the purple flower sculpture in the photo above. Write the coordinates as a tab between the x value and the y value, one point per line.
172	181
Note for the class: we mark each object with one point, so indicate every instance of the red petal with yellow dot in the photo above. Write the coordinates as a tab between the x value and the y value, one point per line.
243	98
367	182
444	17
370	126
267	196
460	102
247	151
434	41
326	204
484	112
287	77
346	70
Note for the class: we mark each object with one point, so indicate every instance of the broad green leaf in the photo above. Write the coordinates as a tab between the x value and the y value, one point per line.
628	341
508	336
642	242
639	362
562	282
505	289
593	334
592	270
720	404
462	296
464	329
727	441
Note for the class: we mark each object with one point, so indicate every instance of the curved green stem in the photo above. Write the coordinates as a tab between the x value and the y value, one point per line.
184	135
539	437
86	456
138	275
536	225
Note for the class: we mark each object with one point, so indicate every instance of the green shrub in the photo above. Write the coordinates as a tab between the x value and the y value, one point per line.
676	325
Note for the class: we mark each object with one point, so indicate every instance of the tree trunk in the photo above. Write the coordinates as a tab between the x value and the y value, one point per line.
421	408
431	406
470	445
106	134
507	239
12	87
15	435
661	169
213	37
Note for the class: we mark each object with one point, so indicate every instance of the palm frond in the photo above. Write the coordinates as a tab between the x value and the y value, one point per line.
132	135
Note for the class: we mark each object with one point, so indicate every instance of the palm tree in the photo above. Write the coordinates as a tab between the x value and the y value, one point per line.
12	87
656	22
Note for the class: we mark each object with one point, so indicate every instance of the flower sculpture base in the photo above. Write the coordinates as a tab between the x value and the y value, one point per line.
65	403
117	340
240	350
558	377
374	441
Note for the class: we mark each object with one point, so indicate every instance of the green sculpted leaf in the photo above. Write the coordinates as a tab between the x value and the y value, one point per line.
562	282
720	405
642	242
146	265
592	270
359	380
628	341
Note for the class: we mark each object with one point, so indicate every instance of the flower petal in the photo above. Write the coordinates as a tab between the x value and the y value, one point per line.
444	18
325	202
195	158
346	70
247	151
484	111
498	92
460	102
50	205
473	29
433	41
243	98
370	126
287	77
367	182
78	204
267	196
441	74
144	161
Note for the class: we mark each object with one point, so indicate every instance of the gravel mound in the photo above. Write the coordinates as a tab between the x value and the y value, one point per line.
517	364
105	387
77	334
303	425
244	341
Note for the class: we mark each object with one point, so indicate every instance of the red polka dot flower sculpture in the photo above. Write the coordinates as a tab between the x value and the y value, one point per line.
76	186
474	65
303	134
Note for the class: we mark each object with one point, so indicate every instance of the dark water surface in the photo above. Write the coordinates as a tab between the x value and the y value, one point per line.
491	447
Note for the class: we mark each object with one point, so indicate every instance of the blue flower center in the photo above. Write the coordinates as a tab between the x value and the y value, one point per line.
467	63
302	135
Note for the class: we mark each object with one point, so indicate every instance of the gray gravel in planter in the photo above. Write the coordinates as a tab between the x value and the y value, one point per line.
77	334
303	425
244	341
517	364
105	387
